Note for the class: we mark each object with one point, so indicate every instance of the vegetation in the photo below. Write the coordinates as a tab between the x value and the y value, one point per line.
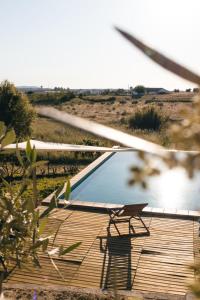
45	186
140	89
22	223
15	110
26	195
149	119
100	99
51	98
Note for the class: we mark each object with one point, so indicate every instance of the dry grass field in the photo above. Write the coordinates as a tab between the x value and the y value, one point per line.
114	113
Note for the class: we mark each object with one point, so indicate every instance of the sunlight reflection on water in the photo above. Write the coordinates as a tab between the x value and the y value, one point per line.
108	183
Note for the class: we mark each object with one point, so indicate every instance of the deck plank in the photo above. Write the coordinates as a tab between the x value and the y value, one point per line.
155	263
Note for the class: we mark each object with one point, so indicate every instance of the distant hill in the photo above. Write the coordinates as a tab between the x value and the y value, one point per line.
27	88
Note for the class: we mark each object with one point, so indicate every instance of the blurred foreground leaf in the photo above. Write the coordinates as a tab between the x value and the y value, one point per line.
161	59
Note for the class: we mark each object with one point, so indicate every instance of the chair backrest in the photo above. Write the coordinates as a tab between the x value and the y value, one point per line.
132	209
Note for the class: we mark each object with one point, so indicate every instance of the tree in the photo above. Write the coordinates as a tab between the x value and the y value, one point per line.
15	109
140	89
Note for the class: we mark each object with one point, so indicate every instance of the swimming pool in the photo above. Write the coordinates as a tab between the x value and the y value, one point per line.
108	183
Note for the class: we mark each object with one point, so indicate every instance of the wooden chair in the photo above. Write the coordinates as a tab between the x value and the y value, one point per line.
125	214
118	213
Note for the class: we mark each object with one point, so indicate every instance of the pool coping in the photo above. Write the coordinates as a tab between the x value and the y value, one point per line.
78	178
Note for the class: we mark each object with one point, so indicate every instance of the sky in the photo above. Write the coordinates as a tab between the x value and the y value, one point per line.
73	43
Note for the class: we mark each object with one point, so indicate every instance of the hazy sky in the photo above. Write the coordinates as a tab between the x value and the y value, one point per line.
72	43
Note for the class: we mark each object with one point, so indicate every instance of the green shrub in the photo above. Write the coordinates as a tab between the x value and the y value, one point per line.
15	110
149	118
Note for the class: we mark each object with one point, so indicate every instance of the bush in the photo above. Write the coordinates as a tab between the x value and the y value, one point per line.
149	118
15	110
134	102
55	98
122	101
109	100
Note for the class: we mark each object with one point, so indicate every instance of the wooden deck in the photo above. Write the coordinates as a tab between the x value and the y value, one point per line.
155	263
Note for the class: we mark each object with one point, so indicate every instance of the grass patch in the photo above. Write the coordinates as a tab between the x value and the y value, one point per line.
47	130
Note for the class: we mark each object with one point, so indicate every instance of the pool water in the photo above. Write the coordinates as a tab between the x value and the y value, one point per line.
109	184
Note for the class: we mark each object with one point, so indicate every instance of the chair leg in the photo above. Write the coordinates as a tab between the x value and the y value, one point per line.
112	221
131	226
116	228
147	229
108	228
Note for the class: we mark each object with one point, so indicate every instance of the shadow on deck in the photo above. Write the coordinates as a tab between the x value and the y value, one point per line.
117	270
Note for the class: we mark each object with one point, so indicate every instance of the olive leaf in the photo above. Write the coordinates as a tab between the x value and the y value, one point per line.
68	189
19	157
53	204
33	155
42	225
2	129
9	138
28	150
69	249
